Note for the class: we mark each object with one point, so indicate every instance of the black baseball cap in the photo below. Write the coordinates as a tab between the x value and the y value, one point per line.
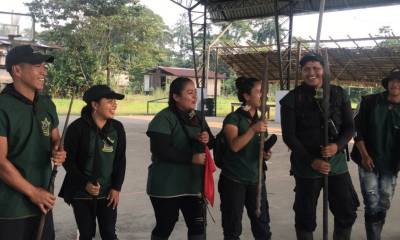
97	92
394	74
311	57
25	54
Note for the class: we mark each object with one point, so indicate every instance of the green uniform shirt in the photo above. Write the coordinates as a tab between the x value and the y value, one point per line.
385	117
28	130
242	166
170	179
105	157
338	164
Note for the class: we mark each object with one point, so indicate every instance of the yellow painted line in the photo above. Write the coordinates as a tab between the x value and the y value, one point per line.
132	193
211	124
140	117
218	125
214	124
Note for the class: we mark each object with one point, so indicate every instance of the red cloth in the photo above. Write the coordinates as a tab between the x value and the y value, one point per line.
209	170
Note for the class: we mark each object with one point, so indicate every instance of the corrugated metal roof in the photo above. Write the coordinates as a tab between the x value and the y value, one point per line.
24	41
5	42
5	45
364	65
187	72
230	10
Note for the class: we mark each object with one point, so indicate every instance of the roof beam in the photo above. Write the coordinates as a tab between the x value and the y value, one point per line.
269	61
249	66
366	54
386	52
349	56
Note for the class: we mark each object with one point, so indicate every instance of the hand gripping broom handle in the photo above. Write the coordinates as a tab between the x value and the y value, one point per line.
50	187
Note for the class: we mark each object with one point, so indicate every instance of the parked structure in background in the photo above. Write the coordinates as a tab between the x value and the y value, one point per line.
161	77
16	29
121	81
6	45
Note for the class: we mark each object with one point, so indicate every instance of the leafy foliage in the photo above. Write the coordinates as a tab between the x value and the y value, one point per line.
386	31
100	39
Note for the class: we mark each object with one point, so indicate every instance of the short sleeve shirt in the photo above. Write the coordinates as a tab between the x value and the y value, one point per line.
171	179
28	131
242	166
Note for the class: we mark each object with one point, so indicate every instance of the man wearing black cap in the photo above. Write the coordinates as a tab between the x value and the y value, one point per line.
378	151
302	131
29	140
95	164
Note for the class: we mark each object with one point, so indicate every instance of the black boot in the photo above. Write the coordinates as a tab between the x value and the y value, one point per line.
304	235
374	229
197	237
341	233
374	224
157	238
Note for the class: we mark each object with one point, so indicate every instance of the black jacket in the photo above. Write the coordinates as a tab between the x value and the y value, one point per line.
76	145
302	122
362	118
363	124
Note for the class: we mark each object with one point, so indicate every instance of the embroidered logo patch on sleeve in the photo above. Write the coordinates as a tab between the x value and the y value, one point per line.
46	127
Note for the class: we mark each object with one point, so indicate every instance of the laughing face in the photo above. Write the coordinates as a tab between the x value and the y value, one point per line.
312	73
187	98
254	98
394	87
105	108
31	75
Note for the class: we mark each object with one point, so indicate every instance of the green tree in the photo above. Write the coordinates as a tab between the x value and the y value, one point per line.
181	48
386	31
239	32
98	43
263	31
53	13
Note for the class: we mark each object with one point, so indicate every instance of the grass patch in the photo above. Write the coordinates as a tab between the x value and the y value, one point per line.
131	105
137	105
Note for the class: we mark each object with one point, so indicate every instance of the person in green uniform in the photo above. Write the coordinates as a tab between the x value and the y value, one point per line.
178	135
238	180
29	139
303	132
377	144
95	165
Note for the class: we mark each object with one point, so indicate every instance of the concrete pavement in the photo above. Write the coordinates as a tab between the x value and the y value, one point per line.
135	213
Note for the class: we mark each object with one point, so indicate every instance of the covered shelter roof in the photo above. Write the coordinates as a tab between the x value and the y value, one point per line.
231	10
352	65
186	72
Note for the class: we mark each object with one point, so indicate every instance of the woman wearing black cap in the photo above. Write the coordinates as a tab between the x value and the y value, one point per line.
377	153
302	131
175	182
95	164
